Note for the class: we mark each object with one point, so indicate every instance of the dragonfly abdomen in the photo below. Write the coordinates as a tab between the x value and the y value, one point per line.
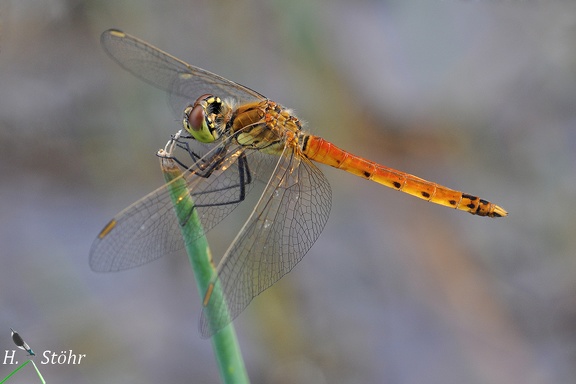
322	151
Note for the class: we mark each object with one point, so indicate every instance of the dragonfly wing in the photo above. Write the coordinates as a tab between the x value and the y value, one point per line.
149	229
18	340
183	81
286	222
144	231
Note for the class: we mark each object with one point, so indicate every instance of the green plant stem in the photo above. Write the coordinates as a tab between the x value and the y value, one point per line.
14	371
38	372
225	345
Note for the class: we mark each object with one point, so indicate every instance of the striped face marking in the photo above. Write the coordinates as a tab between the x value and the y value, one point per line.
202	119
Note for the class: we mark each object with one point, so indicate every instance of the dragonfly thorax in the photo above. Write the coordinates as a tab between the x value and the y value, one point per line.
205	119
265	126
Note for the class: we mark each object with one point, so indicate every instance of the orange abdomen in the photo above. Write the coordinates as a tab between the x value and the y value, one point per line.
322	151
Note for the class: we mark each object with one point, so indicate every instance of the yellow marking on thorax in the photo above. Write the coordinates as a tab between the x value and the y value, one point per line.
265	126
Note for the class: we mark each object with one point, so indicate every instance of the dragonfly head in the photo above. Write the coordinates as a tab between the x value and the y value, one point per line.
200	119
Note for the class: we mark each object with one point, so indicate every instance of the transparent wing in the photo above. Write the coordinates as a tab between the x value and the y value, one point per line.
183	81
286	222
149	229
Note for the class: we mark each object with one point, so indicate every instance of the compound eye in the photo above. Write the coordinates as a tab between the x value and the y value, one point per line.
196	117
202	98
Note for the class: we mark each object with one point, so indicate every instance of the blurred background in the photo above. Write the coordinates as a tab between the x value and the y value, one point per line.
476	95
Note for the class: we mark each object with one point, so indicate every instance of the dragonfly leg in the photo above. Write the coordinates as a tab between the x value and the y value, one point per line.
244	179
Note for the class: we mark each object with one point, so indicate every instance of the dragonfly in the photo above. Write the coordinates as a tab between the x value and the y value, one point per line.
20	343
238	138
